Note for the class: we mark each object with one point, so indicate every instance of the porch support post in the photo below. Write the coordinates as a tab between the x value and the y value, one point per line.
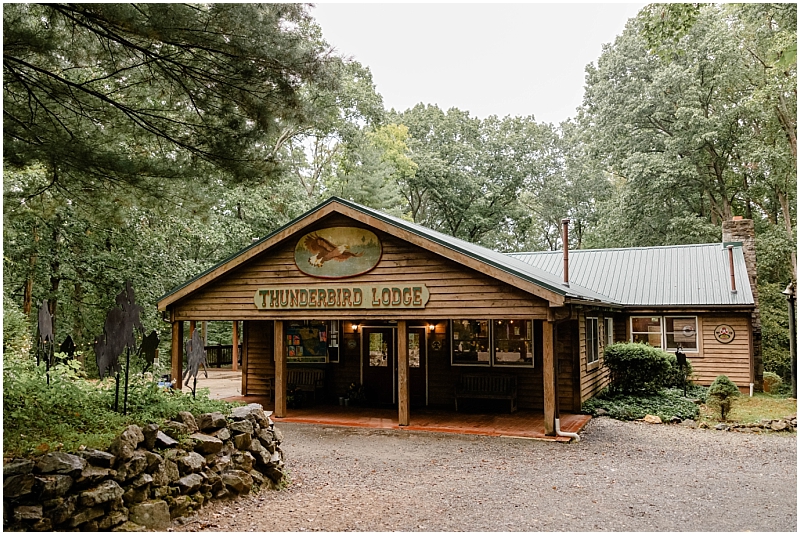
235	350
192	327
549	375
402	373
280	371
177	354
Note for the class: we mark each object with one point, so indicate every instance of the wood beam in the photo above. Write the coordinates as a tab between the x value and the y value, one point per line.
192	327
245	343
403	391
235	351
280	371
549	378
177	354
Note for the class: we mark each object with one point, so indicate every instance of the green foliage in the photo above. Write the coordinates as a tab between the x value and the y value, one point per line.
721	395
73	411
675	376
665	404
638	368
772	382
16	330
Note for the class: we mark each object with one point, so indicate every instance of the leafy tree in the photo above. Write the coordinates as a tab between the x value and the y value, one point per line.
123	92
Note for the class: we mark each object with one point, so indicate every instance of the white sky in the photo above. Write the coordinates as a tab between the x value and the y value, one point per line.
488	59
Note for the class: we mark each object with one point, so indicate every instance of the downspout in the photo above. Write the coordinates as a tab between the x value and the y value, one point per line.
561	433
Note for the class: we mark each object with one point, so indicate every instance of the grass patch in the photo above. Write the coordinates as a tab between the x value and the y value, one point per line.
72	411
753	409
665	404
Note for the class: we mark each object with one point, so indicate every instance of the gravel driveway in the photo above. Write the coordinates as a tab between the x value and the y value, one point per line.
623	476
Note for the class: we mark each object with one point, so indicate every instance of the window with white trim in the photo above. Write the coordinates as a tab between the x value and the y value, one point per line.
592	341
609	328
666	332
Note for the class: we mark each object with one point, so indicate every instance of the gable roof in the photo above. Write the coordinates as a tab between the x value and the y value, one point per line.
497	265
675	275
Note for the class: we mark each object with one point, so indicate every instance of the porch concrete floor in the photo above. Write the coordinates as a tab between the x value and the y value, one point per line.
522	424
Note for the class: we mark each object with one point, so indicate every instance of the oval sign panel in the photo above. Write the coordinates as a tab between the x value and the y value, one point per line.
337	252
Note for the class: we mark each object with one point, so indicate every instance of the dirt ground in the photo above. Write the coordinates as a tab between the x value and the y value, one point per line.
623	476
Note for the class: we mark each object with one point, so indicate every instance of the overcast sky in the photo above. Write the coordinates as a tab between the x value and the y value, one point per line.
488	59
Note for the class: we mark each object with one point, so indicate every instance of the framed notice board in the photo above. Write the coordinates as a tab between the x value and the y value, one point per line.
306	342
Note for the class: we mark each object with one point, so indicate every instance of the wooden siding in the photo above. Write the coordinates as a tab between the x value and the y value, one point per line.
456	291
594	377
259	364
716	358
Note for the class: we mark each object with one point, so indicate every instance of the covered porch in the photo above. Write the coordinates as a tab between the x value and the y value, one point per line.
522	424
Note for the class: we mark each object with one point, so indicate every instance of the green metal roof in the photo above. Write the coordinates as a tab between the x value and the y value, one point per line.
675	275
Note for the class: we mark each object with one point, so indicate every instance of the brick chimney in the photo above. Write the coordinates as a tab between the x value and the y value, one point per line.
744	231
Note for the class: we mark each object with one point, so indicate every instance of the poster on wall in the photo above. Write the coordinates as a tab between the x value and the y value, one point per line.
307	342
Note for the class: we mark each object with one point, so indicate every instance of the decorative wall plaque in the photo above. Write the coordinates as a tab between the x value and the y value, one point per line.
337	252
724	334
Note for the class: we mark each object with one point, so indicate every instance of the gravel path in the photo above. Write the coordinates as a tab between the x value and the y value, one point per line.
623	476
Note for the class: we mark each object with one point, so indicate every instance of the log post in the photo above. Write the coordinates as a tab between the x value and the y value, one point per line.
280	371
235	350
192	327
549	377
177	354
403	391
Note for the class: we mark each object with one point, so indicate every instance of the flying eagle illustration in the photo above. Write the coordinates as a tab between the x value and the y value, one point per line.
324	250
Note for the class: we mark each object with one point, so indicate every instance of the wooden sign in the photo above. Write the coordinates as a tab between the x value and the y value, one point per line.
337	252
342	297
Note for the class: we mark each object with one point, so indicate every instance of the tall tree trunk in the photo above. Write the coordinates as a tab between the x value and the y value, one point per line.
787	224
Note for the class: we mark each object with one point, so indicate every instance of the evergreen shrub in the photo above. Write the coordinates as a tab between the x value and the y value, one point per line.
721	395
638	368
772	381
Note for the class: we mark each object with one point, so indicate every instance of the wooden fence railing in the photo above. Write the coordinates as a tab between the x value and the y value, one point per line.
219	355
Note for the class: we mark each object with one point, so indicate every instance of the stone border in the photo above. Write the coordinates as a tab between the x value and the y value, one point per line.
148	477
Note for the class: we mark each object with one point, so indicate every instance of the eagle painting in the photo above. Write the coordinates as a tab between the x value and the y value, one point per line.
325	251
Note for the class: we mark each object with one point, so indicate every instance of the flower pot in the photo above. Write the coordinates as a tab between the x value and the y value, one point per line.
346	402
341	401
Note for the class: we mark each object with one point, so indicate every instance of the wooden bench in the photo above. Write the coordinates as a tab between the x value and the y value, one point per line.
487	386
306	379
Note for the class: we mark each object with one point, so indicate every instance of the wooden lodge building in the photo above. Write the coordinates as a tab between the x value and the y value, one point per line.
348	295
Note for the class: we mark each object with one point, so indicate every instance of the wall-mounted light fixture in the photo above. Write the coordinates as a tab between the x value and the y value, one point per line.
355	327
432	327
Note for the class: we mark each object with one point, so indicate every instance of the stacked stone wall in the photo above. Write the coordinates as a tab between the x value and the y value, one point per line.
148	477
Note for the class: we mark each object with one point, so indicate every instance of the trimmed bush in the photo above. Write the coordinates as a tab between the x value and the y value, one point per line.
675	377
721	395
638	368
772	381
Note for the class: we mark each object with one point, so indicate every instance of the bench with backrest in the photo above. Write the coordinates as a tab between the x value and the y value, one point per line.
487	386
306	379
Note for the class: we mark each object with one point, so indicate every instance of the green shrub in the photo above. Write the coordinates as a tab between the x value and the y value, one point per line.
772	382
778	361
638	368
675	377
721	395
664	404
72	411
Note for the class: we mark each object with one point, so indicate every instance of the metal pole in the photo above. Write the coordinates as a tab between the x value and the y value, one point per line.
790	297
127	367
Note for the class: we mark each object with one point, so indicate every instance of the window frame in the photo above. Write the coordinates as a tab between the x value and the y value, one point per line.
493	349
476	364
608	326
491	341
596	345
663	331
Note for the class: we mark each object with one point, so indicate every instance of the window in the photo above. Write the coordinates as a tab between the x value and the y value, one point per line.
470	342
646	330
592	341
413	350
513	342
681	331
677	331
609	328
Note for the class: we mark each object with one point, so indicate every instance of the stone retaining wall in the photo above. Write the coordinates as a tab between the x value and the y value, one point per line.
148	477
